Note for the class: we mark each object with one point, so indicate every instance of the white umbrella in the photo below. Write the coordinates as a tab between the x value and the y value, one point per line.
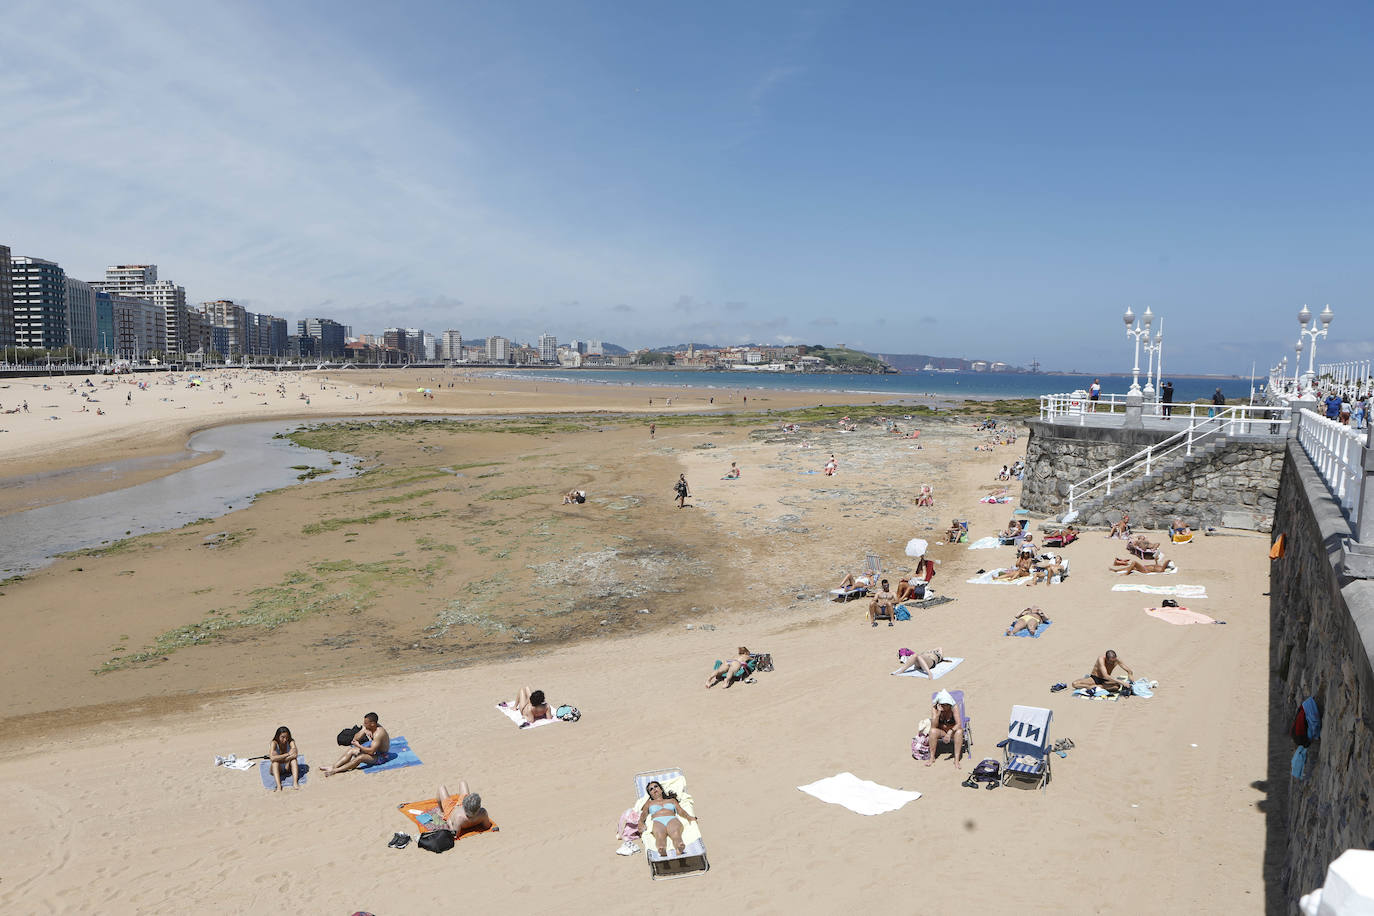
916	547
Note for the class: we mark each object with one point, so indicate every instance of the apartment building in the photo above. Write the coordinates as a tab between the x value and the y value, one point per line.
40	303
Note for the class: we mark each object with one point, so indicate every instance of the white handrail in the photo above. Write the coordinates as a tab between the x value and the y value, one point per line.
1227	421
1336	451
1074	407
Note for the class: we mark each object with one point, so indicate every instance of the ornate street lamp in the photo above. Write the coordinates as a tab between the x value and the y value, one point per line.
1304	318
1152	349
1140	330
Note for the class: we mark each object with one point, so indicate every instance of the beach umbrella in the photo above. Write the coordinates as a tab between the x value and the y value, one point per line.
916	547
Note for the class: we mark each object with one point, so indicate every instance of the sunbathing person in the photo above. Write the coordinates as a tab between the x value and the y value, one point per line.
1029	619
1101	675
882	604
906	589
927	497
532	706
733	473
467	815
1021	570
1179	528
282	753
728	671
945	728
1141	543
1128	565
919	661
1064	536
666	812
1012	531
1048	566
574	497
1121	529
954	532
369	746
863	580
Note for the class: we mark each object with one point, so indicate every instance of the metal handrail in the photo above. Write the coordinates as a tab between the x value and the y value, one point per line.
1227	421
1336	451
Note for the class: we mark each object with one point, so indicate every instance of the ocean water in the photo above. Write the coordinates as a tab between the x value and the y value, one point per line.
905	385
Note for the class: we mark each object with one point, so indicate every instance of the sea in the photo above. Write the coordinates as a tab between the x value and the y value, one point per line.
903	385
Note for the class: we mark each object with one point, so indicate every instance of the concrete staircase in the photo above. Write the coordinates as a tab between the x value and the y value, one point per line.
1104	508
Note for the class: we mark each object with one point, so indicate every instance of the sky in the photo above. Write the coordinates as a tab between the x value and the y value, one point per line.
991	181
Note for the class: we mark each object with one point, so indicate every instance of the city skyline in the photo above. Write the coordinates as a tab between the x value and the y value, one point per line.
873	174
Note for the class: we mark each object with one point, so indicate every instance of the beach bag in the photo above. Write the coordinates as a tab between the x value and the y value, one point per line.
901	613
987	770
348	734
920	747
628	828
763	661
440	840
568	713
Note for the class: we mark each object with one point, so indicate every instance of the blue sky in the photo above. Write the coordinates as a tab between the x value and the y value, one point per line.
995	181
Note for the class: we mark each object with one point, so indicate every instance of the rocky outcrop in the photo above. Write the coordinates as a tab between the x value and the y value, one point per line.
1321	637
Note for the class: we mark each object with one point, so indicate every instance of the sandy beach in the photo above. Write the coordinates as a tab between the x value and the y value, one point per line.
448	573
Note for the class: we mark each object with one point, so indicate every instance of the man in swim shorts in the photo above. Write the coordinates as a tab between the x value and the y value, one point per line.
1101	675
368	747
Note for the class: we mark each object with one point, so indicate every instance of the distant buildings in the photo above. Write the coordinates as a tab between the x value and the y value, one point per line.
40	307
80	314
327	333
6	299
452	345
498	350
548	348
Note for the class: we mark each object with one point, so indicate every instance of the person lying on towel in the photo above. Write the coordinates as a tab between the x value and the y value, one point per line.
727	673
469	815
1101	675
1128	565
1029	619
919	661
532	706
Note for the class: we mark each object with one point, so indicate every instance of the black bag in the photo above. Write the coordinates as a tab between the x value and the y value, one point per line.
1169	602
440	840
348	734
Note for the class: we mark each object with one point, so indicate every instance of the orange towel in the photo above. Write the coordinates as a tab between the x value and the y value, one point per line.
430	806
1276	552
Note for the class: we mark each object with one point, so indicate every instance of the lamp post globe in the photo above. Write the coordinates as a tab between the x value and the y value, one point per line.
1326	316
1304	316
1129	317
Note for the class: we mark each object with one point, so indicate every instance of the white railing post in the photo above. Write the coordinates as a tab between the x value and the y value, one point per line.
1192	427
1109	481
1149	456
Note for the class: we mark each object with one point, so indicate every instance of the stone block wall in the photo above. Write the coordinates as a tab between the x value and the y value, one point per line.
1321	637
1235	486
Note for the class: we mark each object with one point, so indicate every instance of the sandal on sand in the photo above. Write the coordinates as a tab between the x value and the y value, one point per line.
1058	687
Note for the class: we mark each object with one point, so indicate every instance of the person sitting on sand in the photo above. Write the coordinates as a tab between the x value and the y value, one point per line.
666	812
733	473
282	754
882	604
532	706
727	672
466	811
574	497
1021	570
377	742
1048	567
1121	529
1101	675
945	728
1128	565
919	661
1030	619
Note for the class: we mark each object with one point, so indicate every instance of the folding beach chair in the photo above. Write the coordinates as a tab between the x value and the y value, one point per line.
958	697
1026	749
693	860
1016	538
1144	554
873	566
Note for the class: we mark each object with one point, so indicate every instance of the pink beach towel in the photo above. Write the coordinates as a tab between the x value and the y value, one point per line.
1179	616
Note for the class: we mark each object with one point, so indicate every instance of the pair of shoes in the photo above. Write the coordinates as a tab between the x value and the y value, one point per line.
1058	687
875	624
399	840
627	848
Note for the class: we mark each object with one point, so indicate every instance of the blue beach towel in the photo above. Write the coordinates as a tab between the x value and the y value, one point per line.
265	771
1039	630
1314	719
901	612
400	755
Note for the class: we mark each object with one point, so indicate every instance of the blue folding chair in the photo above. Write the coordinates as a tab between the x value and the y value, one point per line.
1026	749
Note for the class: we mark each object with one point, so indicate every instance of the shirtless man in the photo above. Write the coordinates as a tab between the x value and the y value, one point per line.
1128	565
1047	566
373	735
1120	528
882	605
1029	619
467	816
954	532
1102	673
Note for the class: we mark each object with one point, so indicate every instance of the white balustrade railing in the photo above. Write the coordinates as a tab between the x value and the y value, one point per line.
1227	421
1336	451
1244	419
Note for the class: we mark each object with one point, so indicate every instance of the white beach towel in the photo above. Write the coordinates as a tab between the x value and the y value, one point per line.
1178	591
989	578
859	795
510	712
983	544
945	667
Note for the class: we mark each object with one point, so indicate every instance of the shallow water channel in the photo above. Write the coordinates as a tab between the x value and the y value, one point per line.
252	462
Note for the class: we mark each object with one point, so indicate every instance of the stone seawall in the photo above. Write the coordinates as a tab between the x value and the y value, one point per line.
1232	485
1321	637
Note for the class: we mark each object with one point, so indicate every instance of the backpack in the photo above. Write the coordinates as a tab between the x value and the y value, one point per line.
987	770
568	713
348	734
440	840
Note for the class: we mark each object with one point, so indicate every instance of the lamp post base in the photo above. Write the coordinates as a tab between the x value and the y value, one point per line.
1134	418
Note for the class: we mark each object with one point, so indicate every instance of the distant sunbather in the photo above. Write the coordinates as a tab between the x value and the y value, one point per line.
882	604
919	661
727	672
532	706
665	812
927	497
954	531
574	497
1101	675
1121	529
1029	619
1142	543
377	742
1021	570
863	580
733	473
282	753
1179	528
1013	530
1128	565
1048	566
469	815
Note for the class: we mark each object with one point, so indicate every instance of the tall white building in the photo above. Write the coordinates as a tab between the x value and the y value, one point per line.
452	345
182	331
80	314
594	348
498	350
431	347
548	348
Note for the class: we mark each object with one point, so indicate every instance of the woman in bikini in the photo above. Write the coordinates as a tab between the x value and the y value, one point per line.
1128	565
924	661
665	811
945	727
1021	570
282	753
1029	619
726	672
